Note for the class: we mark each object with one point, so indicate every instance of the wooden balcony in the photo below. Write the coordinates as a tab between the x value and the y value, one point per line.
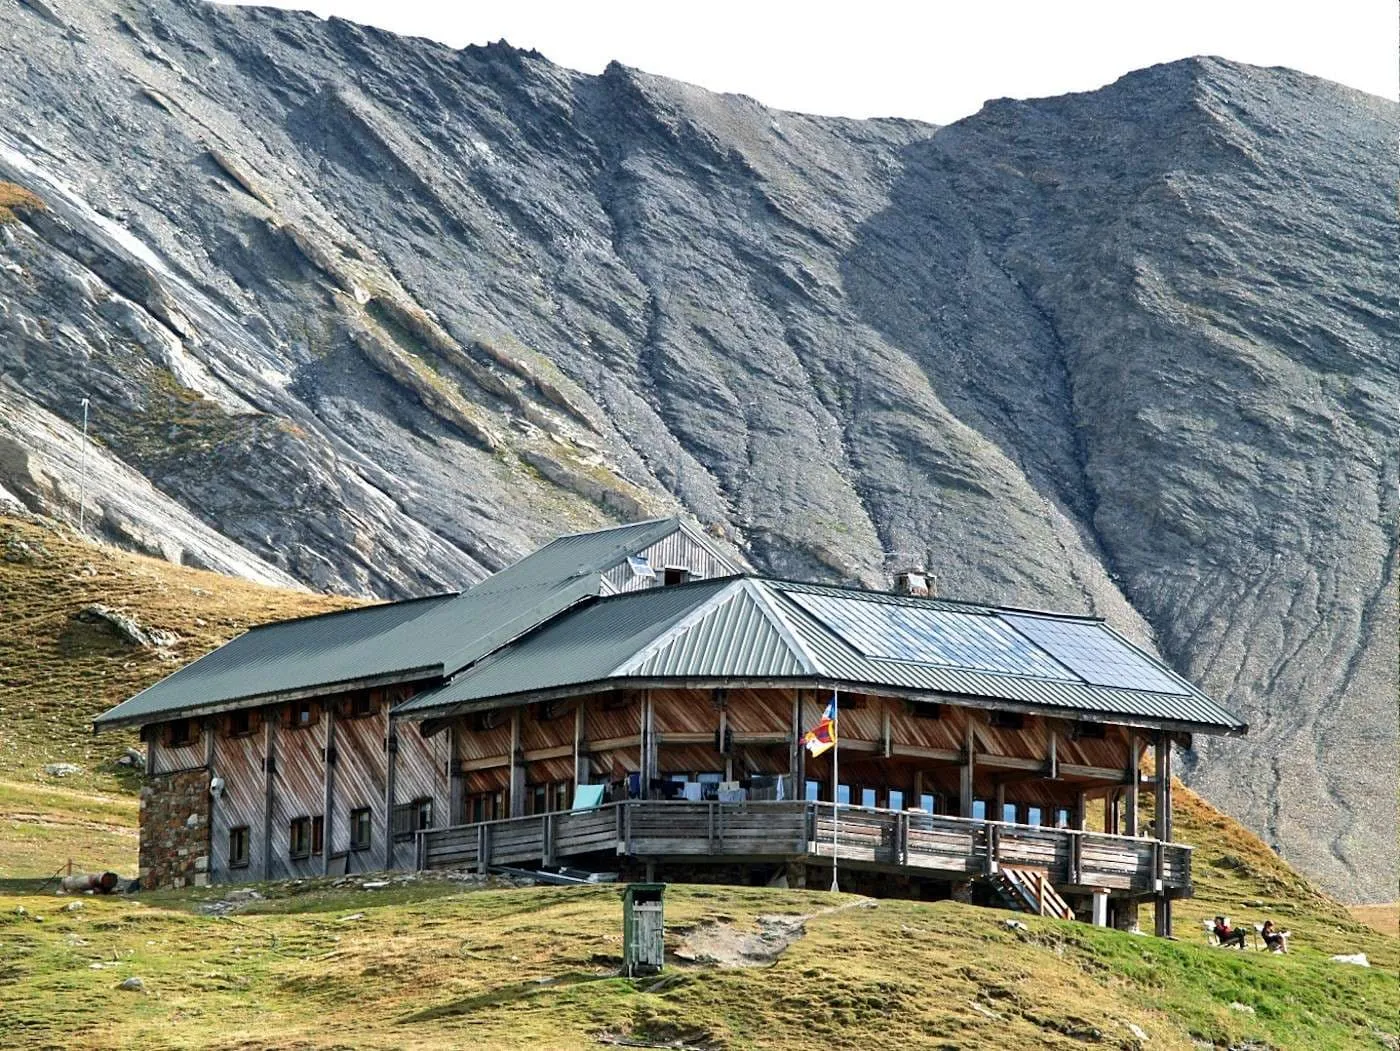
907	842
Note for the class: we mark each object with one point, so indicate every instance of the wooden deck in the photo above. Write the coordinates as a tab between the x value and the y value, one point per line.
912	843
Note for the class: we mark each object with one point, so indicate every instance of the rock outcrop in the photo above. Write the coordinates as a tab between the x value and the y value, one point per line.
377	315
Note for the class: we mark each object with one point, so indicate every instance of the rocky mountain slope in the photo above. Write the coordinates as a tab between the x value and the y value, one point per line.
377	315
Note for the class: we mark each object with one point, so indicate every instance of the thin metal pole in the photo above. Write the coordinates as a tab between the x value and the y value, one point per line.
82	473
835	790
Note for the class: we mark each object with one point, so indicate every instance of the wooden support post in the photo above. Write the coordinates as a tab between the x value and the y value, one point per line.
456	785
918	788
1053	767
582	765
968	758
1110	812
516	802
727	752
269	790
1130	798
796	753
391	779
1162	911
1000	803
1081	810
886	743
648	745
328	797
210	725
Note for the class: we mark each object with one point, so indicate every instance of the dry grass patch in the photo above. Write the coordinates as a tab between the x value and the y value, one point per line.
14	197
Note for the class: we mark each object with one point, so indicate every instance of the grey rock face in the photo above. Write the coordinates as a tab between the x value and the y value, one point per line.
378	315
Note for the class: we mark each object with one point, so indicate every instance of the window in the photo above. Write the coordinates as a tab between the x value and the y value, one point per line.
868	798
673	575
896	799
813	791
360	825
1008	812
536	802
300	839
238	847
318	834
979	810
563	795
484	806
181	732
412	817
928	801
302	714
359	706
1034	815
1064	817
240	724
843	794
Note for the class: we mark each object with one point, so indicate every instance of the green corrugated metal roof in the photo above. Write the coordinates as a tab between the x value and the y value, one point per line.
437	636
752	628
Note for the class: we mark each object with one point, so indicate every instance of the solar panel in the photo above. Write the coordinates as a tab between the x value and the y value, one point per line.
893	631
1097	654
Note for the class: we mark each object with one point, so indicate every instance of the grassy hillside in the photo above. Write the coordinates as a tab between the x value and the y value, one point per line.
432	963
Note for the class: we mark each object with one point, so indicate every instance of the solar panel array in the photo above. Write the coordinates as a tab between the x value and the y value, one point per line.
931	636
1096	654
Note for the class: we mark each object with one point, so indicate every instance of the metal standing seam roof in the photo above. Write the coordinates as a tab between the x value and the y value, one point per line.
759	629
437	636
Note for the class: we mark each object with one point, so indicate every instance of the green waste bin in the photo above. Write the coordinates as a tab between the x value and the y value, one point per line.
643	928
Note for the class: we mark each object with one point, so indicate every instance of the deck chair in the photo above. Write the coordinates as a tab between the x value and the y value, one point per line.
1262	944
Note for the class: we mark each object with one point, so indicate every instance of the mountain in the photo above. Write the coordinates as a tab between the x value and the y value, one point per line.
376	315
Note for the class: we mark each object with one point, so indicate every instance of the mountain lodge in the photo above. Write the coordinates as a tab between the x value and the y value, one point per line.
629	700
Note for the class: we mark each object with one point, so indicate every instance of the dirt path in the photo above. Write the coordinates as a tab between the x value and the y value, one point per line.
720	944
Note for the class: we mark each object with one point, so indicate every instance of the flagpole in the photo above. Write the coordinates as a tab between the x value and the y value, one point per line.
835	788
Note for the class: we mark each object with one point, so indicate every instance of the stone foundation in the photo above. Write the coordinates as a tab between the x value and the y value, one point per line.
175	830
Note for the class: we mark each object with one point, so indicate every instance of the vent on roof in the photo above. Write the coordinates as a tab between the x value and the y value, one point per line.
914	582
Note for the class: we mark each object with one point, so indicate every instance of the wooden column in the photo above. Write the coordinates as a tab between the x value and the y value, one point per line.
269	772
1000	803
210	725
391	780
648	747
328	791
1110	811
456	788
582	766
796	753
1162	913
1130	797
1081	810
969	752
515	804
886	742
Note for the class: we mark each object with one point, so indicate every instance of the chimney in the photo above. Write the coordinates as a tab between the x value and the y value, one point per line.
913	582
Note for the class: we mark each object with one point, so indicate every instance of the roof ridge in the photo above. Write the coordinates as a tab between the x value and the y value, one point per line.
918	600
610	529
342	612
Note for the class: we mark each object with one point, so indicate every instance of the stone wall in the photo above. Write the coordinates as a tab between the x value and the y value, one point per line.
175	829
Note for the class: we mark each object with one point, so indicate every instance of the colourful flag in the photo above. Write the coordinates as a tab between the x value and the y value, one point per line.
822	737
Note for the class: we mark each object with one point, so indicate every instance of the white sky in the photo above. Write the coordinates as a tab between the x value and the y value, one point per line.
936	61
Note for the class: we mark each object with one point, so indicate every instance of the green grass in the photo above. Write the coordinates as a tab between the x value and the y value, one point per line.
430	965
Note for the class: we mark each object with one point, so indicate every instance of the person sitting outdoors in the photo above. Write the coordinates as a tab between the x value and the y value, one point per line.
1275	940
1228	935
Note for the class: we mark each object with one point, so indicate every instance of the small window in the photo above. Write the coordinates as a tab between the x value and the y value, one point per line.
1008	812
979	810
928	801
1064	817
359	706
1034	815
302	714
318	835
843	794
300	839
360	829
868	798
896	799
412	817
240	724
812	791
238	847
563	795
181	733
484	806
673	575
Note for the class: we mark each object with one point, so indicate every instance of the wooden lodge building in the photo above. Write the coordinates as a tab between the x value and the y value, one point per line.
630	700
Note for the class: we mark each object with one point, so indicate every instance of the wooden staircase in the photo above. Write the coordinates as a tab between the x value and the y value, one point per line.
1025	890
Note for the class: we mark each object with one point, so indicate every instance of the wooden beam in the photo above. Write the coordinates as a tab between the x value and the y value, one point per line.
489	762
328	799
581	773
969	759
796	753
1130	796
515	801
938	756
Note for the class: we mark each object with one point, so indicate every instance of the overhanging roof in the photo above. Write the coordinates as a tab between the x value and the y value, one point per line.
432	637
764	630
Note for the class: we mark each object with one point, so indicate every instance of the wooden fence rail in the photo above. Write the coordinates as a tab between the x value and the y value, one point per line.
773	831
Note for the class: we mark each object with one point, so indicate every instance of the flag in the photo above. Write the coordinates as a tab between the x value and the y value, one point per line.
822	737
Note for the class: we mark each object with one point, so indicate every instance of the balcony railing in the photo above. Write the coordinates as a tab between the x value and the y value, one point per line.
891	840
